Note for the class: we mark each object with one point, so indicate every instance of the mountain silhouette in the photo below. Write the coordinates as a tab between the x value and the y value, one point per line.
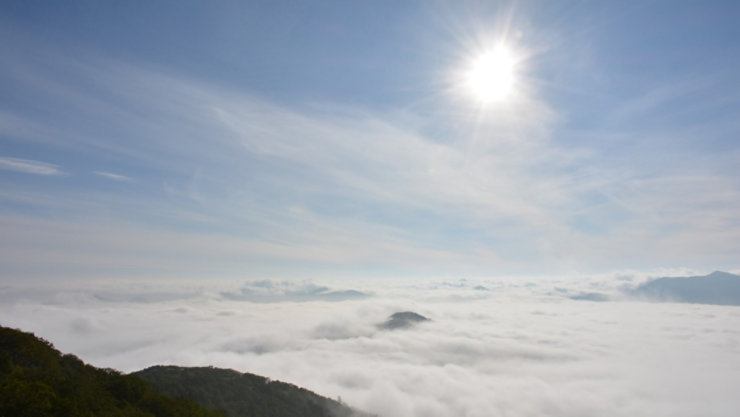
403	319
720	288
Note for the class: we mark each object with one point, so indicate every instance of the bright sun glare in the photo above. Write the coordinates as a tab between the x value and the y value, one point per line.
491	75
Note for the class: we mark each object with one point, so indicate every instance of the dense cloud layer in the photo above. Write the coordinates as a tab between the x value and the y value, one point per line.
491	348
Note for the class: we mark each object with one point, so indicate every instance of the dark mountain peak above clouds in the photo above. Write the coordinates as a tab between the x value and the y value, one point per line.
721	288
402	319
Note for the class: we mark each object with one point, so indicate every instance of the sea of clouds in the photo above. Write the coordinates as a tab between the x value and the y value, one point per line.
507	347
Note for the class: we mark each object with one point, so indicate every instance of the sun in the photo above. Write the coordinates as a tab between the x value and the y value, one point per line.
491	75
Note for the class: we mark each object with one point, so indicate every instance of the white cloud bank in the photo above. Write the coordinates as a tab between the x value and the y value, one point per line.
493	348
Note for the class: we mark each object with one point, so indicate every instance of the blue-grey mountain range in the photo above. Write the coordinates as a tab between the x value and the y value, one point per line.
720	288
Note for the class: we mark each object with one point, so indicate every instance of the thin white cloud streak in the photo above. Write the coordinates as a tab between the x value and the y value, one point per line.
112	176
29	166
373	161
520	349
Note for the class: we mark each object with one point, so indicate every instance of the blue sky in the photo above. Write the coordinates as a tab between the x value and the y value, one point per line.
335	139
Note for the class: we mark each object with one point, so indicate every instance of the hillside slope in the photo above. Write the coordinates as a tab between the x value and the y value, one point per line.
36	380
243	394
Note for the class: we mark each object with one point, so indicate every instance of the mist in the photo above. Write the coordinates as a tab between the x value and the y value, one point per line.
491	347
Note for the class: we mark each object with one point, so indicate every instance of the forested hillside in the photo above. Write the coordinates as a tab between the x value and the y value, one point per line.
36	380
243	394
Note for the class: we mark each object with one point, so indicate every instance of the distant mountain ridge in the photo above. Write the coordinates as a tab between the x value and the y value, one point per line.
719	288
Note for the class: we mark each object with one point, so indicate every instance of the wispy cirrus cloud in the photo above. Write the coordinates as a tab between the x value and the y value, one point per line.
112	176
336	186
30	166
